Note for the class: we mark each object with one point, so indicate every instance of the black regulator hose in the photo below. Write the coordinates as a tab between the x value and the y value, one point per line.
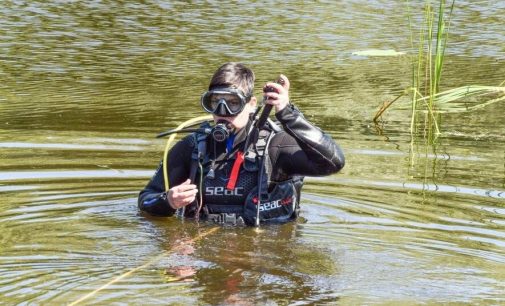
258	126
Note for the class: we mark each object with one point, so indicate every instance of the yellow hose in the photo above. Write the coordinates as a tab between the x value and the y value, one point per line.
167	187
171	139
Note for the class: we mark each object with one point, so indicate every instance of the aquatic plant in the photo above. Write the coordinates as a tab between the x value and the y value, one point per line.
460	99
466	98
427	66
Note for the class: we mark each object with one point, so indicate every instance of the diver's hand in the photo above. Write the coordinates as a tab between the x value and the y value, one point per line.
182	195
277	94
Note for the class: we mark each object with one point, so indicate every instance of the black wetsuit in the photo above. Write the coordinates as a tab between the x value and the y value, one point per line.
300	149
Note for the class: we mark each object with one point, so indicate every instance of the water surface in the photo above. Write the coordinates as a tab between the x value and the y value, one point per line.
85	87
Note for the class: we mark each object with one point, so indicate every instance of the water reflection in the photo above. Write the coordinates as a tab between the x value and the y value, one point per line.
248	266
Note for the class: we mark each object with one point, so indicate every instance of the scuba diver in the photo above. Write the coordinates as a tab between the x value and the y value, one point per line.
242	170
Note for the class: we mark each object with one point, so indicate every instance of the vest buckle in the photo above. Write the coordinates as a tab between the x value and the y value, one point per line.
226	219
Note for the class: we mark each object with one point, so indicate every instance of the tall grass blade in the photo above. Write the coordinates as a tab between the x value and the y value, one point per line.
427	66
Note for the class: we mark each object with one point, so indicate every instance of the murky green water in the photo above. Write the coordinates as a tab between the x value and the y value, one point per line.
85	86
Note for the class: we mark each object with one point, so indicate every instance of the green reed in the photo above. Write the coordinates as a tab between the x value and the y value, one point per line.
427	66
427	102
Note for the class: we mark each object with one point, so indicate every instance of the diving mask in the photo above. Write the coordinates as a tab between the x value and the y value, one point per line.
224	101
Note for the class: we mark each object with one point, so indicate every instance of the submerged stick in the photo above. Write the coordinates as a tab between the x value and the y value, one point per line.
385	106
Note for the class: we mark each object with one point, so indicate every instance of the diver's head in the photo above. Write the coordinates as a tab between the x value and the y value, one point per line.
230	96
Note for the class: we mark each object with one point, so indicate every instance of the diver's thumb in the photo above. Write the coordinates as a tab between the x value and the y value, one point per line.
284	81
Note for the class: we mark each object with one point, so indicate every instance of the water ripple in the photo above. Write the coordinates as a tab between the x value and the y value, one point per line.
490	193
68	146
76	174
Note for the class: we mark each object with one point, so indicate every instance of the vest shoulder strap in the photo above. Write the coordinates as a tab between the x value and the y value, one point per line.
199	153
271	128
265	171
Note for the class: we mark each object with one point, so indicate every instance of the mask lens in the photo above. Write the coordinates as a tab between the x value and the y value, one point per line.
214	100
234	103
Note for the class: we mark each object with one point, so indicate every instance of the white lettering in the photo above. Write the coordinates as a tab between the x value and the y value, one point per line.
239	191
209	191
220	191
275	204
270	205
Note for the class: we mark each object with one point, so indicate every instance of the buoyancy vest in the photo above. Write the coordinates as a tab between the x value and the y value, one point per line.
278	201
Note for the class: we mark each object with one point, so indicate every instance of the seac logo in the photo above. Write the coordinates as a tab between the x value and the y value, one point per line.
273	204
219	191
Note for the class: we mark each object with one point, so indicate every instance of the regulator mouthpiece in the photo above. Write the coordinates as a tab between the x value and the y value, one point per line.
221	131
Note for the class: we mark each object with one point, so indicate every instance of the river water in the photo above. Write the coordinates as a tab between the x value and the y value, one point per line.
86	85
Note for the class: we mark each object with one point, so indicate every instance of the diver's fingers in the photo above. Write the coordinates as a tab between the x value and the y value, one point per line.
271	95
181	201
284	81
182	195
278	100
185	194
281	86
182	188
273	87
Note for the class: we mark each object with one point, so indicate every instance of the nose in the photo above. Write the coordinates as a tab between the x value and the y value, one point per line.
221	108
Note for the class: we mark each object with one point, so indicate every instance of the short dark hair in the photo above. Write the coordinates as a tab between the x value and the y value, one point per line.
234	75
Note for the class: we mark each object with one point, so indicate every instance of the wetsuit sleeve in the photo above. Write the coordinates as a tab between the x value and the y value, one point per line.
303	149
153	198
